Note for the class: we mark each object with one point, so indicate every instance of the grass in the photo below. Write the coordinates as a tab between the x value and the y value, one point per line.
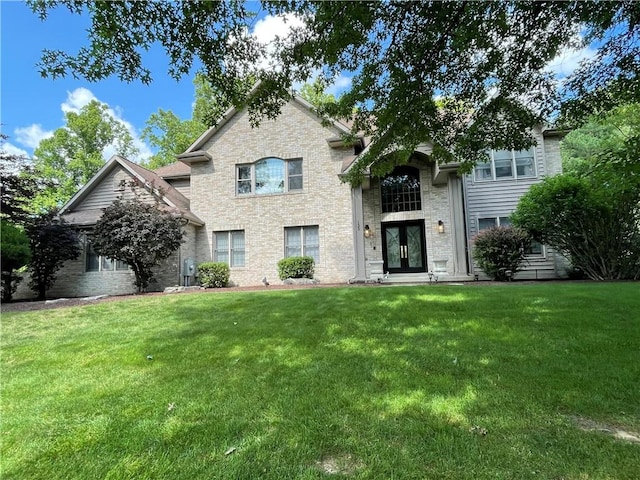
442	382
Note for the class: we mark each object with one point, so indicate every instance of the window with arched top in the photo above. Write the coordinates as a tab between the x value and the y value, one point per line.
268	176
401	190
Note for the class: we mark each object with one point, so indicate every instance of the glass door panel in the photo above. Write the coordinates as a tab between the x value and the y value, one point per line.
392	241
414	246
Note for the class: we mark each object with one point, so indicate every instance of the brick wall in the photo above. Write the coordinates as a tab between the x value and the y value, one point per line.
324	200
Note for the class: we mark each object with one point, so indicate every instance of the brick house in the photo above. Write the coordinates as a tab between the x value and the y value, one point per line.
252	196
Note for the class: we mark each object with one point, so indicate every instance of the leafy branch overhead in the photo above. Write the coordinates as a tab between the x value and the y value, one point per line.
488	59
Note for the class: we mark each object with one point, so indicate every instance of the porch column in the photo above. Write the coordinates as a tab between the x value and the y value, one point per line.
360	273
456	202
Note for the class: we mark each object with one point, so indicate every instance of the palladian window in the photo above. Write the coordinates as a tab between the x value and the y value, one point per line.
269	176
401	190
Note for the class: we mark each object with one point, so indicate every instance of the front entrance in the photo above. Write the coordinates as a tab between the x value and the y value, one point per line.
403	247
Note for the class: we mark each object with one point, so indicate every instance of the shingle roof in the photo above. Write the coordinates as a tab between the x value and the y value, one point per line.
177	169
174	200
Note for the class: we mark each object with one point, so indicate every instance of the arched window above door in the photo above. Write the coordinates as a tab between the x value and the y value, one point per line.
401	190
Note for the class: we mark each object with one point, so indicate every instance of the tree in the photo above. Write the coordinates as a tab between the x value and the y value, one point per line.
314	93
15	254
52	242
18	185
594	220
172	136
486	59
610	131
75	152
138	234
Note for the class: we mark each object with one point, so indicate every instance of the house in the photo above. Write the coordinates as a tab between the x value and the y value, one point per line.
251	196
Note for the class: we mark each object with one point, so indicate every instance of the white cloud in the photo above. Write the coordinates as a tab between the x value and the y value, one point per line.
569	59
10	149
32	135
270	29
77	99
340	84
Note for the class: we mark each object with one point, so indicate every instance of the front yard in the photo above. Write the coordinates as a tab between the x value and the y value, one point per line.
516	381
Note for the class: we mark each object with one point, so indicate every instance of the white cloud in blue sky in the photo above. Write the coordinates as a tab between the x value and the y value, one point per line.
32	135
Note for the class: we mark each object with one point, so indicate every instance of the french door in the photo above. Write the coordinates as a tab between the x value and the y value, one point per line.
403	247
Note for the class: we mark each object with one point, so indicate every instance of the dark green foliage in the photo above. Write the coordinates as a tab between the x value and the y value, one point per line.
139	234
500	251
52	242
15	254
463	76
295	267
213	274
594	220
18	185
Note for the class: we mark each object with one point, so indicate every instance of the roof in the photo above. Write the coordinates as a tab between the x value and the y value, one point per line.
195	153
174	170
173	199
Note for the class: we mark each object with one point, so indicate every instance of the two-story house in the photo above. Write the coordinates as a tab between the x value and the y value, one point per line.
252	196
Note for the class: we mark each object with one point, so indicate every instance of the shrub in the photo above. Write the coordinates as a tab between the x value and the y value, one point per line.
589	219
499	250
295	267
213	274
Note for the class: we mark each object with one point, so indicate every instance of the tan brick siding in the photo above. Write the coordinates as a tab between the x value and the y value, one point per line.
324	201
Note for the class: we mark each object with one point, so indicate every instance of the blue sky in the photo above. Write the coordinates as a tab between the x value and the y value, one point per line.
32	107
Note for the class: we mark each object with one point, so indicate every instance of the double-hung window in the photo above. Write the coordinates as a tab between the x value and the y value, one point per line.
269	176
229	247
302	242
503	164
98	263
533	248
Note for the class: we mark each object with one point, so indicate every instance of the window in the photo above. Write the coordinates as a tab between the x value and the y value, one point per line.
229	248
506	164
268	176
401	190
98	263
302	242
534	248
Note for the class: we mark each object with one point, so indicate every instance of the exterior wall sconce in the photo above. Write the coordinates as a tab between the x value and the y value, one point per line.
440	226
368	233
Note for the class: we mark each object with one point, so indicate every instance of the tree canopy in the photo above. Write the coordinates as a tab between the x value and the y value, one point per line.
584	148
75	152
487	60
171	135
18	185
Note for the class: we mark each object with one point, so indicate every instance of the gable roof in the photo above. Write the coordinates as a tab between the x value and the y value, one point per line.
174	170
195	152
156	185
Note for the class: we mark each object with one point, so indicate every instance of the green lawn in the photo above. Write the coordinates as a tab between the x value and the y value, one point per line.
517	381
